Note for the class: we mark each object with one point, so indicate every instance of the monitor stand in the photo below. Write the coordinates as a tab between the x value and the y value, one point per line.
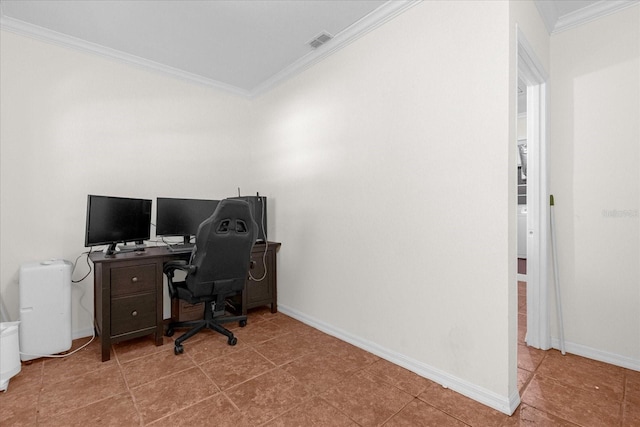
139	246
185	246
111	249
114	248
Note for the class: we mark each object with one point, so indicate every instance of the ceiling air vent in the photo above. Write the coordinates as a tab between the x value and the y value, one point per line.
320	39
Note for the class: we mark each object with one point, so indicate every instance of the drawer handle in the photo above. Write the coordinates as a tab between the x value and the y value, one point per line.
134	279
134	313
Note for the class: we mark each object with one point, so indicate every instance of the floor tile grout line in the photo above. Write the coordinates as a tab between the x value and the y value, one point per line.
226	396
444	411
528	382
561	415
312	396
219	392
560	379
127	390
40	387
84	374
414	398
128	387
335	407
142	422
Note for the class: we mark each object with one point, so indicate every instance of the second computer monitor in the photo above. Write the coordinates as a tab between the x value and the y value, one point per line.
181	217
258	206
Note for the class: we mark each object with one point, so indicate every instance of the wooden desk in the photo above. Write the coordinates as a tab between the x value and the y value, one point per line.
260	288
128	289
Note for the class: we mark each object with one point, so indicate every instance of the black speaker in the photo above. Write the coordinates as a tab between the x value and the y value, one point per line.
258	206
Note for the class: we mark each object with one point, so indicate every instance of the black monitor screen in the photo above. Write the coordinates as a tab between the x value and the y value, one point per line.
117	219
181	217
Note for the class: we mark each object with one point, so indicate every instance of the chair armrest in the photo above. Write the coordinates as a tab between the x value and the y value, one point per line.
182	265
170	267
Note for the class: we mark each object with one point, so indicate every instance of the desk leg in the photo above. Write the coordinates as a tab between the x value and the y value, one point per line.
106	348
159	339
159	306
244	301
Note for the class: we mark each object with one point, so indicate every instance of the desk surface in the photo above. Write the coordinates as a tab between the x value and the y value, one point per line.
149	252
153	252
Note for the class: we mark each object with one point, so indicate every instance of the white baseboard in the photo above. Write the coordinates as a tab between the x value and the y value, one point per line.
600	355
506	405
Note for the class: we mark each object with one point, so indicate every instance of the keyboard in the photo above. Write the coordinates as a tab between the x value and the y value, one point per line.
182	247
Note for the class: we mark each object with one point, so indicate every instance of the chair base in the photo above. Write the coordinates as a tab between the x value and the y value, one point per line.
210	322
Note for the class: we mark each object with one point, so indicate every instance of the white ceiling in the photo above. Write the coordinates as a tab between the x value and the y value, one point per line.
245	46
560	15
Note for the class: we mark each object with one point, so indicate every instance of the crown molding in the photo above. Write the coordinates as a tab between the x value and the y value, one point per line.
371	21
556	24
548	13
591	13
60	39
366	24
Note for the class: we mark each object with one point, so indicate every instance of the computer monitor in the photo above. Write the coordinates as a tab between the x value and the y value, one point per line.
181	217
112	220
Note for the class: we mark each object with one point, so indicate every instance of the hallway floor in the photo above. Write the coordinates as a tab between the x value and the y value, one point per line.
284	373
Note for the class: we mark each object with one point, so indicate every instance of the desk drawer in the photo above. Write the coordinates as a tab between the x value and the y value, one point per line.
133	280
132	313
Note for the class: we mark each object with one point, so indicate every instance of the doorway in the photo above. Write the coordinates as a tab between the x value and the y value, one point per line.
521	180
534	77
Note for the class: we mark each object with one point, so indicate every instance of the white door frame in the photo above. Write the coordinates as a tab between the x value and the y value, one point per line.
533	74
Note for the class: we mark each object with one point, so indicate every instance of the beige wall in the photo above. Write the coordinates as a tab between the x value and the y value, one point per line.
397	230
594	159
75	124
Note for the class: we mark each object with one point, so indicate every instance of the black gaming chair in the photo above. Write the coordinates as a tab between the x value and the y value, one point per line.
217	269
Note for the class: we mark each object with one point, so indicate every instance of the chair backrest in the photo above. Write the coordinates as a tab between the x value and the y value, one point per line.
223	250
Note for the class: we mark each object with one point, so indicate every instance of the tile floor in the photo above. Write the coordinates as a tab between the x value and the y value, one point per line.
284	373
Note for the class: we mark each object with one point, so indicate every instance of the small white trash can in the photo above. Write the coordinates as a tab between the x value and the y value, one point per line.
9	353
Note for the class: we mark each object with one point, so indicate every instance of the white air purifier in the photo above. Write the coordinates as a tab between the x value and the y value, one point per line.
45	308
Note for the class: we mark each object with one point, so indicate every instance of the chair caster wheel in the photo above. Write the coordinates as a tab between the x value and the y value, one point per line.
232	341
169	332
243	323
178	349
